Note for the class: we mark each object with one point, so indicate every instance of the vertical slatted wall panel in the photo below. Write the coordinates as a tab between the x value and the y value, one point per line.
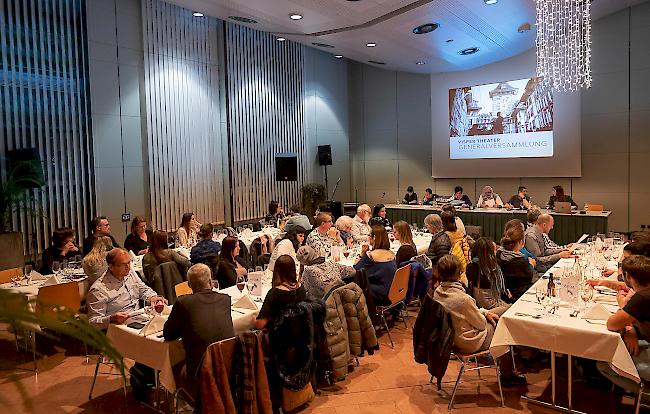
265	113
182	102
45	105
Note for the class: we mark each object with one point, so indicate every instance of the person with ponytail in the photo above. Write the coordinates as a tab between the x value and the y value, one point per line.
485	279
517	271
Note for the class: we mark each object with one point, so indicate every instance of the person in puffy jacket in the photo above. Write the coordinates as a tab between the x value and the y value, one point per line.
440	244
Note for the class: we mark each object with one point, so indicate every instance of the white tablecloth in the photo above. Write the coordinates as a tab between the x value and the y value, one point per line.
562	333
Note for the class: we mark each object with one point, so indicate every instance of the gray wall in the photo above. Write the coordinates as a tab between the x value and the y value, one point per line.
615	120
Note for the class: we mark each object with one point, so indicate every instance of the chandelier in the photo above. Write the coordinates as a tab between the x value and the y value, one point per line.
564	43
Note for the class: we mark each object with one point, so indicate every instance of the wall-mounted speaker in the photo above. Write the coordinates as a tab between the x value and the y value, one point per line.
286	167
325	155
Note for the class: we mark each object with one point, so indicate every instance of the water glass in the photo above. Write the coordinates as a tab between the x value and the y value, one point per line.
56	267
27	271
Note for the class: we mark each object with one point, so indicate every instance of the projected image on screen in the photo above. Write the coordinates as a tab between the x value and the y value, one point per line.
511	119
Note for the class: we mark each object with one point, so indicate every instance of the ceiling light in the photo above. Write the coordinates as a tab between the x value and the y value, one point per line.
468	51
242	19
295	16
420	63
280	39
376	62
490	1
426	28
197	14
339	56
371	44
322	45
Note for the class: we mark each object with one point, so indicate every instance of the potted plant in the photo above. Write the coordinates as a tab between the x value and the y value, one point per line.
312	197
15	195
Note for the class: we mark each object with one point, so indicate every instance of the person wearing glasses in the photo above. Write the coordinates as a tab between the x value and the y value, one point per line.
100	227
324	236
360	226
521	200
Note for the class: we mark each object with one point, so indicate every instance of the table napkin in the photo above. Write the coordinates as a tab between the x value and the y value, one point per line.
597	312
36	276
53	280
155	325
245	302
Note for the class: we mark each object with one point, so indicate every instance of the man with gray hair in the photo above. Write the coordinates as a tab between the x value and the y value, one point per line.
198	319
360	227
545	257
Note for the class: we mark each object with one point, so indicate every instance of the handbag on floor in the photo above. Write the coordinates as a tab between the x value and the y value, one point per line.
294	399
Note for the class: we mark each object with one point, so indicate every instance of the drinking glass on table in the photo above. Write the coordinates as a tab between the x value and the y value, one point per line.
241	282
259	268
149	307
64	268
56	267
586	294
158	306
540	293
27	271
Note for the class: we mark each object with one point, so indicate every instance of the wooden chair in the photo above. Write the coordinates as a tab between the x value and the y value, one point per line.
183	288
56	298
594	207
466	359
396	296
8	274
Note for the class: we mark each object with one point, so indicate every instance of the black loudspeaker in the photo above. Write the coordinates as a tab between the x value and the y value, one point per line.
325	155
286	167
25	164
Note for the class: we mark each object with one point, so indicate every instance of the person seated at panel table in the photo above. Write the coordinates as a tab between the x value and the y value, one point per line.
557	194
520	200
379	264
360	226
139	239
186	235
632	320
488	286
62	248
94	263
545	257
459	223
518	272
429	198
489	199
324	235
275	214
289	245
460	197
379	216
518	223
199	319
230	265
344	225
297	218
100	227
473	326
410	197
407	249
318	274
440	244
287	290
160	253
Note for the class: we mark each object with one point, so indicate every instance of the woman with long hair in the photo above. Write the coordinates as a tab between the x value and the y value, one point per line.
379	216
230	264
140	237
486	279
407	249
186	235
289	245
160	253
94	263
557	194
379	264
518	274
286	290
261	249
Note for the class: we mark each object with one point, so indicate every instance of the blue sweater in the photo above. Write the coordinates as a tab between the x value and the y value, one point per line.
380	277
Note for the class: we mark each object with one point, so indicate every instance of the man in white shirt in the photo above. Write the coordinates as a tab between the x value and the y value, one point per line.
489	199
360	227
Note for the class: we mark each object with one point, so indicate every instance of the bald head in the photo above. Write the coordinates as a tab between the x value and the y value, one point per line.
199	277
545	222
119	263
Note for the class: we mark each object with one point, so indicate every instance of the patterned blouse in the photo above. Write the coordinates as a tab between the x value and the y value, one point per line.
185	240
316	278
321	243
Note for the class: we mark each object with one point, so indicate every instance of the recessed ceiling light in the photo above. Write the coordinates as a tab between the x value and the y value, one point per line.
376	62
468	51
420	63
449	40
280	39
197	14
340	56
295	16
242	19
322	45
426	28
490	1
371	44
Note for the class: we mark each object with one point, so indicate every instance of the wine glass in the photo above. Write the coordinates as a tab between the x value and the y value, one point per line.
241	282
540	292
586	294
56	267
346	253
149	307
64	268
159	306
27	271
259	268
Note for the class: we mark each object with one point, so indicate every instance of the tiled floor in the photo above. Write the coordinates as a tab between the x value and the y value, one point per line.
387	382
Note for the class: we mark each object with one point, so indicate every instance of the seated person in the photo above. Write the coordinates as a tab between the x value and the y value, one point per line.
260	250
534	242
630	249
518	223
473	327
318	274
100	227
484	275
276	213
297	218
186	235
94	263
459	197
199	319
289	245
489	199
160	253
518	272
118	292
632	320
62	248
286	290
440	244
205	250
410	197
519	200
323	236
139	239
532	216
360	226
429	198
230	265
407	249
558	195
344	226
379	264
459	223
641	236
379	216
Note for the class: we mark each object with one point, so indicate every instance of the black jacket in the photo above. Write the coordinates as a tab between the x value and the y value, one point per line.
199	319
433	338
517	272
440	245
226	274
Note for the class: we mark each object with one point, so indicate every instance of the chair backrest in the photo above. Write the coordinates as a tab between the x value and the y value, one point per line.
183	289
65	295
165	277
7	275
473	231
594	207
400	285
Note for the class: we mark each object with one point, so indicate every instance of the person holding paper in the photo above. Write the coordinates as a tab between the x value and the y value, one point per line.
632	320
519	200
198	319
545	258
